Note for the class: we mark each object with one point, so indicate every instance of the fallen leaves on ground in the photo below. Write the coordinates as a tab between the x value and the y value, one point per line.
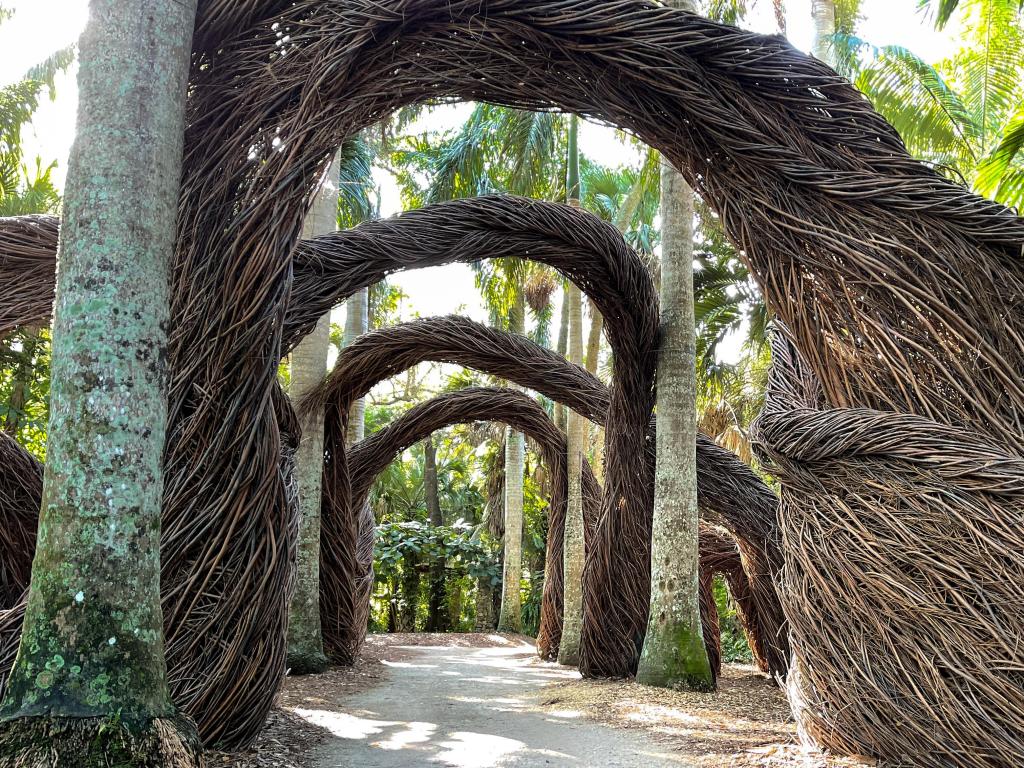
746	723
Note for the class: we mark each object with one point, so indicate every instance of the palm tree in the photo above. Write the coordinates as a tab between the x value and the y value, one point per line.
965	114
673	653
343	199
89	685
308	365
576	429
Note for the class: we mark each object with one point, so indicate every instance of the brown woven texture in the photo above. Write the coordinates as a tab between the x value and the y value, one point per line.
592	254
28	270
904	556
900	288
21	493
729	493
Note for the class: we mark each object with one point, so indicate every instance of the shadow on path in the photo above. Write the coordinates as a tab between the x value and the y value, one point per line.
471	707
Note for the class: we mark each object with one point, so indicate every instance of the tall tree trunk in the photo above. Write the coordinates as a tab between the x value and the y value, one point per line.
572	558
572	552
308	367
823	14
484	605
357	322
437	621
89	685
673	653
561	412
596	431
511	613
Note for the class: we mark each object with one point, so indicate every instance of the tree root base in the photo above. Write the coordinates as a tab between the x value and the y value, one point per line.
306	663
94	742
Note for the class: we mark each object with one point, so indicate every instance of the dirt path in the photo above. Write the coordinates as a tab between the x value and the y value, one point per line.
472	707
486	701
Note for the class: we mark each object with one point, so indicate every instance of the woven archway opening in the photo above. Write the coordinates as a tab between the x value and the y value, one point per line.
345	626
887	274
729	493
593	255
718	552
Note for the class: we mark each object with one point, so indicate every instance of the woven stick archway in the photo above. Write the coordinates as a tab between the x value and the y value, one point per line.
810	182
719	553
730	494
886	272
593	255
370	457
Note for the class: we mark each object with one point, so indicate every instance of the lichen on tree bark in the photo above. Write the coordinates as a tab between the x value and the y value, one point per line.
90	663
673	653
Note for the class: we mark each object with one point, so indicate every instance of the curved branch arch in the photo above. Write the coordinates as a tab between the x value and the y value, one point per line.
730	494
344	609
592	254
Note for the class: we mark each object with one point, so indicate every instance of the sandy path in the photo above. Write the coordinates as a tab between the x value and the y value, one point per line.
471	707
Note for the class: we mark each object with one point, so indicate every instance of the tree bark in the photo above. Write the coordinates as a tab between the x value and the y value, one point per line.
89	685
437	621
308	367
357	322
576	425
572	557
510	615
823	14
673	654
561	412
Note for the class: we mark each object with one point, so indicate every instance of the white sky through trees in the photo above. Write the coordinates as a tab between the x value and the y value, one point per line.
40	27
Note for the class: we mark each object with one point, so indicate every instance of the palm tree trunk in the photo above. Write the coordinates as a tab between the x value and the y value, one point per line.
510	615
593	359
673	653
436	620
823	14
572	550
572	557
356	324
561	412
89	685
308	367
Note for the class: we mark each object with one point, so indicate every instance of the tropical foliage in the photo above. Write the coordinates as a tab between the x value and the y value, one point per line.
964	114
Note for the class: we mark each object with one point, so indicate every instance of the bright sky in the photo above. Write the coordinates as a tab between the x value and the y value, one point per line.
42	26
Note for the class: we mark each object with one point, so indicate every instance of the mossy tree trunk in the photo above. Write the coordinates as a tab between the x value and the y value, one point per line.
89	683
510	617
576	426
308	367
673	653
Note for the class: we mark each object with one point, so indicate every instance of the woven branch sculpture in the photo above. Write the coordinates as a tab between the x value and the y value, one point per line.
371	456
21	491
730	494
904	550
901	288
593	255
